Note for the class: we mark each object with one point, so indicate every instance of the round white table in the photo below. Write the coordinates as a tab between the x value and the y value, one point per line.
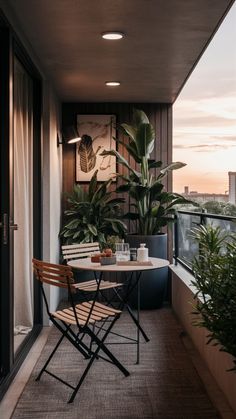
156	263
86	264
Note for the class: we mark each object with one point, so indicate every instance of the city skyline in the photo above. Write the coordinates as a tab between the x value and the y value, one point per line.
204	128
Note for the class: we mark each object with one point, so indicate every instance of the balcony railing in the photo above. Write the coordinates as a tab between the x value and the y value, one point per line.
185	249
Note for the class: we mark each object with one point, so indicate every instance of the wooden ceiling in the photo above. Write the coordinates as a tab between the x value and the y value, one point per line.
163	41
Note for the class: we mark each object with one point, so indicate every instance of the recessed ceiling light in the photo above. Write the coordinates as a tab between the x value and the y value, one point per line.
112	36
112	83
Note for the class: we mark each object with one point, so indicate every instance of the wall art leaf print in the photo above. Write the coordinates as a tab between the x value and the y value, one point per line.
97	132
86	154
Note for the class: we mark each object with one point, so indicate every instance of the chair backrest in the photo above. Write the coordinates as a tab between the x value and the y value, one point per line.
58	275
78	251
49	273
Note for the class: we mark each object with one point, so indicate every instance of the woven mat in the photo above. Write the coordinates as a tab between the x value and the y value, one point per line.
165	385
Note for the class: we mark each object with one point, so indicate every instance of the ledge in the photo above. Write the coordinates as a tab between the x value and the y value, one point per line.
183	274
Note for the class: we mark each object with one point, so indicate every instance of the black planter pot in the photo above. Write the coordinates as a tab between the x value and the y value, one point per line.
153	284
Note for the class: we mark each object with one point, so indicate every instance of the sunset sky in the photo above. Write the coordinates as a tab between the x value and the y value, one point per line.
204	132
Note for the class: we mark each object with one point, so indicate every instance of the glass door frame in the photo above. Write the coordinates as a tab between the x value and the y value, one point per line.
10	48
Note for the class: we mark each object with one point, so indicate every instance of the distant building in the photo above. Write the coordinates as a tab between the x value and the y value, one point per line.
205	197
232	187
186	190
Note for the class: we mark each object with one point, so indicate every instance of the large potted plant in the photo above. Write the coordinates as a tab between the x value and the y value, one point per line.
215	284
152	206
93	215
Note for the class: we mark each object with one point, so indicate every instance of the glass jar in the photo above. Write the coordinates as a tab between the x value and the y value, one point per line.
122	252
142	253
133	253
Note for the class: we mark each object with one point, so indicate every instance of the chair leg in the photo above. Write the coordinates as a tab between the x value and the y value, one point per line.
136	323
92	359
49	358
91	341
112	357
146	338
77	343
100	345
85	350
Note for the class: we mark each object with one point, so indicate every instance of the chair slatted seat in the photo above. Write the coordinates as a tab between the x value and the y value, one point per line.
83	316
81	250
82	311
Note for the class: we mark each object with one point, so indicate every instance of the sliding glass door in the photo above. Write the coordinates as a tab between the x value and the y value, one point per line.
23	203
6	336
20	204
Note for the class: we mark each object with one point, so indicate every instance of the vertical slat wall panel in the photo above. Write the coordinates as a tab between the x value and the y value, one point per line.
160	117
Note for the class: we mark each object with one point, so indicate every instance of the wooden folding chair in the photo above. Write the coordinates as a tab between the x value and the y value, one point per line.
81	250
76	321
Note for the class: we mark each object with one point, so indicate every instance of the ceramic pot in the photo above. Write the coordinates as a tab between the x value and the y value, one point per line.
153	284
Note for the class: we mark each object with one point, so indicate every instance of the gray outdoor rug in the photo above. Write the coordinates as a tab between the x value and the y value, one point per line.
164	385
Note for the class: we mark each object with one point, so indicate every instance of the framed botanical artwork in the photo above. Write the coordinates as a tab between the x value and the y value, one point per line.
97	132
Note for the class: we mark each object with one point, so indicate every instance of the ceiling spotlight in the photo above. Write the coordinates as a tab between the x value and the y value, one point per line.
112	83
112	36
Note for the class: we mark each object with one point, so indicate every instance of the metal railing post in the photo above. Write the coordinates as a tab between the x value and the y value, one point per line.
203	217
176	237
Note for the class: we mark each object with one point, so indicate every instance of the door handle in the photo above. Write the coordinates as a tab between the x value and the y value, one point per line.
4	226
14	226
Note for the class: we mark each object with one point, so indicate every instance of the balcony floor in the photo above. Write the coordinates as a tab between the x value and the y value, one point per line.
165	385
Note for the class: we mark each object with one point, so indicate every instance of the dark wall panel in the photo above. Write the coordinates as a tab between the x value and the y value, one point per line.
160	116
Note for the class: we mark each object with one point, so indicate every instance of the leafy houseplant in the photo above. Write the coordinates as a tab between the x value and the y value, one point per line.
152	205
93	215
215	281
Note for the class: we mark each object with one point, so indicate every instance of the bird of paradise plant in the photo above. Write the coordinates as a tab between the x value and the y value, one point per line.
153	207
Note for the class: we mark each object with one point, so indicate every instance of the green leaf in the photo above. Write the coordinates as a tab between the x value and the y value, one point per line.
76	235
139	117
133	151
92	229
129	130
121	160
69	212
152	164
154	210
138	192
155	189
101	194
115	227
158	211
72	224
172	166
123	188
93	184
68	233
144	139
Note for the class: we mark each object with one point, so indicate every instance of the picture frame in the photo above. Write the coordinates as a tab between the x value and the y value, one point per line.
97	132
